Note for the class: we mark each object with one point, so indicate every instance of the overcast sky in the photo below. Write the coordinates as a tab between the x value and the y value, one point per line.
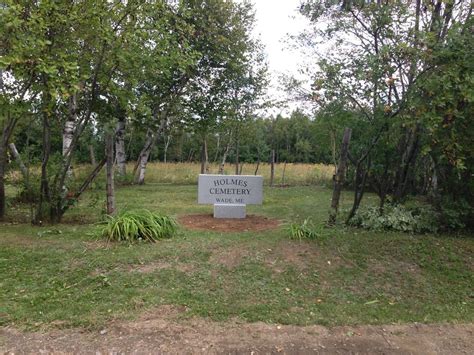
276	19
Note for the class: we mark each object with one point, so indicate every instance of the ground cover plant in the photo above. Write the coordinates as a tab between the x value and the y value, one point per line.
138	225
63	276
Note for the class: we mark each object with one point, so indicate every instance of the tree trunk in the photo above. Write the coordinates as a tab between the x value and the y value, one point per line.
283	174
359	187
258	165
408	150
272	168
218	146
237	157
382	185
120	154
92	154
339	177
3	164
204	157
167	144
6	132
142	161
241	168
45	195
224	158
68	130
333	149
110	191
190	155
19	161
6	129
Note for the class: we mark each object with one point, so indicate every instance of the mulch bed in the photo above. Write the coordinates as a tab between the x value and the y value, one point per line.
206	222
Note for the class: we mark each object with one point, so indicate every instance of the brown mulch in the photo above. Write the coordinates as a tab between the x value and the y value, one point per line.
206	222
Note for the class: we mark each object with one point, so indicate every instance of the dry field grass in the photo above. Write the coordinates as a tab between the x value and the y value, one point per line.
186	173
285	174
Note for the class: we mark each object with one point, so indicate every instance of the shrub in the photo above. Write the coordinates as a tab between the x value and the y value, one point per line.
397	218
139	225
456	214
305	230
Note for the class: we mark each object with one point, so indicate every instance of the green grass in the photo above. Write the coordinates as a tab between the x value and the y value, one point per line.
63	277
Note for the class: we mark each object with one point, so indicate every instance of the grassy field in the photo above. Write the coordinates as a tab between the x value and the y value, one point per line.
186	173
62	276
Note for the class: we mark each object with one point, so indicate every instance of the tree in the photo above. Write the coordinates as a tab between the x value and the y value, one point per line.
71	50
379	58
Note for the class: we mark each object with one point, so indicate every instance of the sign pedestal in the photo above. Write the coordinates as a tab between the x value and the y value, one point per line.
222	210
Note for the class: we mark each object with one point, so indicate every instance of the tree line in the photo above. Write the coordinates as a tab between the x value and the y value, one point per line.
399	75
295	138
78	74
110	82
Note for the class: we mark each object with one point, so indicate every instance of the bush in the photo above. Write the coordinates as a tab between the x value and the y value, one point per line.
456	214
397	218
302	231
139	225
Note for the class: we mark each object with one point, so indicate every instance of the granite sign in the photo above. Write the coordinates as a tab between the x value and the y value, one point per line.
230	193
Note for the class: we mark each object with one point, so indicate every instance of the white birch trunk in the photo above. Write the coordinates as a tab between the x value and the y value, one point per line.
224	158
68	130
146	151
143	157
120	155
167	144
19	161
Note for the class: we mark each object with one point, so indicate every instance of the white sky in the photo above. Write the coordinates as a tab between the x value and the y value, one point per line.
276	19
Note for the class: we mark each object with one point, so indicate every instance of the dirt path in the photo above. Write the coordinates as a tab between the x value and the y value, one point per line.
158	334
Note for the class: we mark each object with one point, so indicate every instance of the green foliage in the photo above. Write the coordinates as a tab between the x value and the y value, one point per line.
397	218
305	230
405	76
139	225
27	194
455	214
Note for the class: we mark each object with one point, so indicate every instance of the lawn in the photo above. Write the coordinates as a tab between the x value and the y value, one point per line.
63	276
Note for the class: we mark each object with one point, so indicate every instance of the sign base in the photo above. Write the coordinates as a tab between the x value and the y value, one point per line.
223	210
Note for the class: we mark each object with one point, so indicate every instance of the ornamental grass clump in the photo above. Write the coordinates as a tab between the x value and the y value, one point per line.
305	230
139	225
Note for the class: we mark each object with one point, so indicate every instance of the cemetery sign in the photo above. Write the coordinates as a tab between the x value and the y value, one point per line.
230	193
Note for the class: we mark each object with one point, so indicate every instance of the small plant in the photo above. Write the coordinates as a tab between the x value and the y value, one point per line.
397	218
301	231
139	225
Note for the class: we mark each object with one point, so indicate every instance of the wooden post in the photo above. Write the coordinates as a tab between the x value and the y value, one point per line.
283	175
272	168
109	153
339	176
